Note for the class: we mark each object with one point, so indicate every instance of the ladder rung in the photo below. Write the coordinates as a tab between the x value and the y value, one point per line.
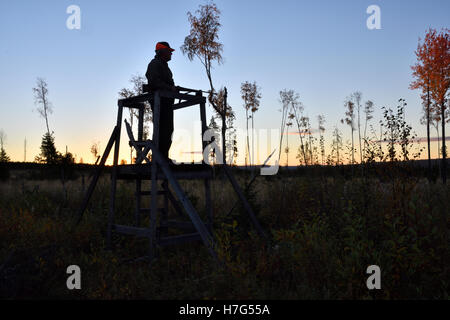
149	193
147	210
189	237
139	143
140	232
178	224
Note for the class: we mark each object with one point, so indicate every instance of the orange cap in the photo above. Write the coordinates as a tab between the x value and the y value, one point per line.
161	45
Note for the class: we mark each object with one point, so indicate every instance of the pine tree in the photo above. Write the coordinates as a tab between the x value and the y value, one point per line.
3	156
48	153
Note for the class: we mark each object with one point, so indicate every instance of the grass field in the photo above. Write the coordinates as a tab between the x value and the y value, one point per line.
326	229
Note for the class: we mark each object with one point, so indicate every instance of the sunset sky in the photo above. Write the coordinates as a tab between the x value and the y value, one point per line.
321	49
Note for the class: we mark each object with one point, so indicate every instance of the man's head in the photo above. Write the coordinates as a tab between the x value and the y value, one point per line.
164	50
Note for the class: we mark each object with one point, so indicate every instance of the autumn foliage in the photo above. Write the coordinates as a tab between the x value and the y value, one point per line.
432	76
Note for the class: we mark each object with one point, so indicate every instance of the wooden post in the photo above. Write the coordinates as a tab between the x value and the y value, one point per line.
165	213
139	181
141	122
154	196
208	205
112	202
137	213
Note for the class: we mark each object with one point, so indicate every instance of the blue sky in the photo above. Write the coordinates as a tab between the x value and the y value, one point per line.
321	49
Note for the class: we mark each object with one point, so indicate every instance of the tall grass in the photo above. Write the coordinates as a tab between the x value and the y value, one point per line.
326	230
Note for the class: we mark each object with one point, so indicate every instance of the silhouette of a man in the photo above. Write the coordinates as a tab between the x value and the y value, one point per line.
159	77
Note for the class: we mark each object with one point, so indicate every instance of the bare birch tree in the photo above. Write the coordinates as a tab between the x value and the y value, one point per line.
368	112
321	121
251	95
203	43
44	106
357	96
350	121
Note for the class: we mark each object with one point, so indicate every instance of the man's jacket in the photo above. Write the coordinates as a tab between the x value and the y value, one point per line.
159	75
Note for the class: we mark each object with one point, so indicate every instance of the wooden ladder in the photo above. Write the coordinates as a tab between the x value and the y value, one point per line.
161	238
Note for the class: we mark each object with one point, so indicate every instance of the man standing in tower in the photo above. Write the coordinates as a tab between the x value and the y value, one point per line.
159	77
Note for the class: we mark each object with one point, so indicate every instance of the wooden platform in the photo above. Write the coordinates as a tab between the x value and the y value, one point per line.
181	171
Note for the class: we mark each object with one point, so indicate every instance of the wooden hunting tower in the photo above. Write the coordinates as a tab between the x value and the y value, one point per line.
156	169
